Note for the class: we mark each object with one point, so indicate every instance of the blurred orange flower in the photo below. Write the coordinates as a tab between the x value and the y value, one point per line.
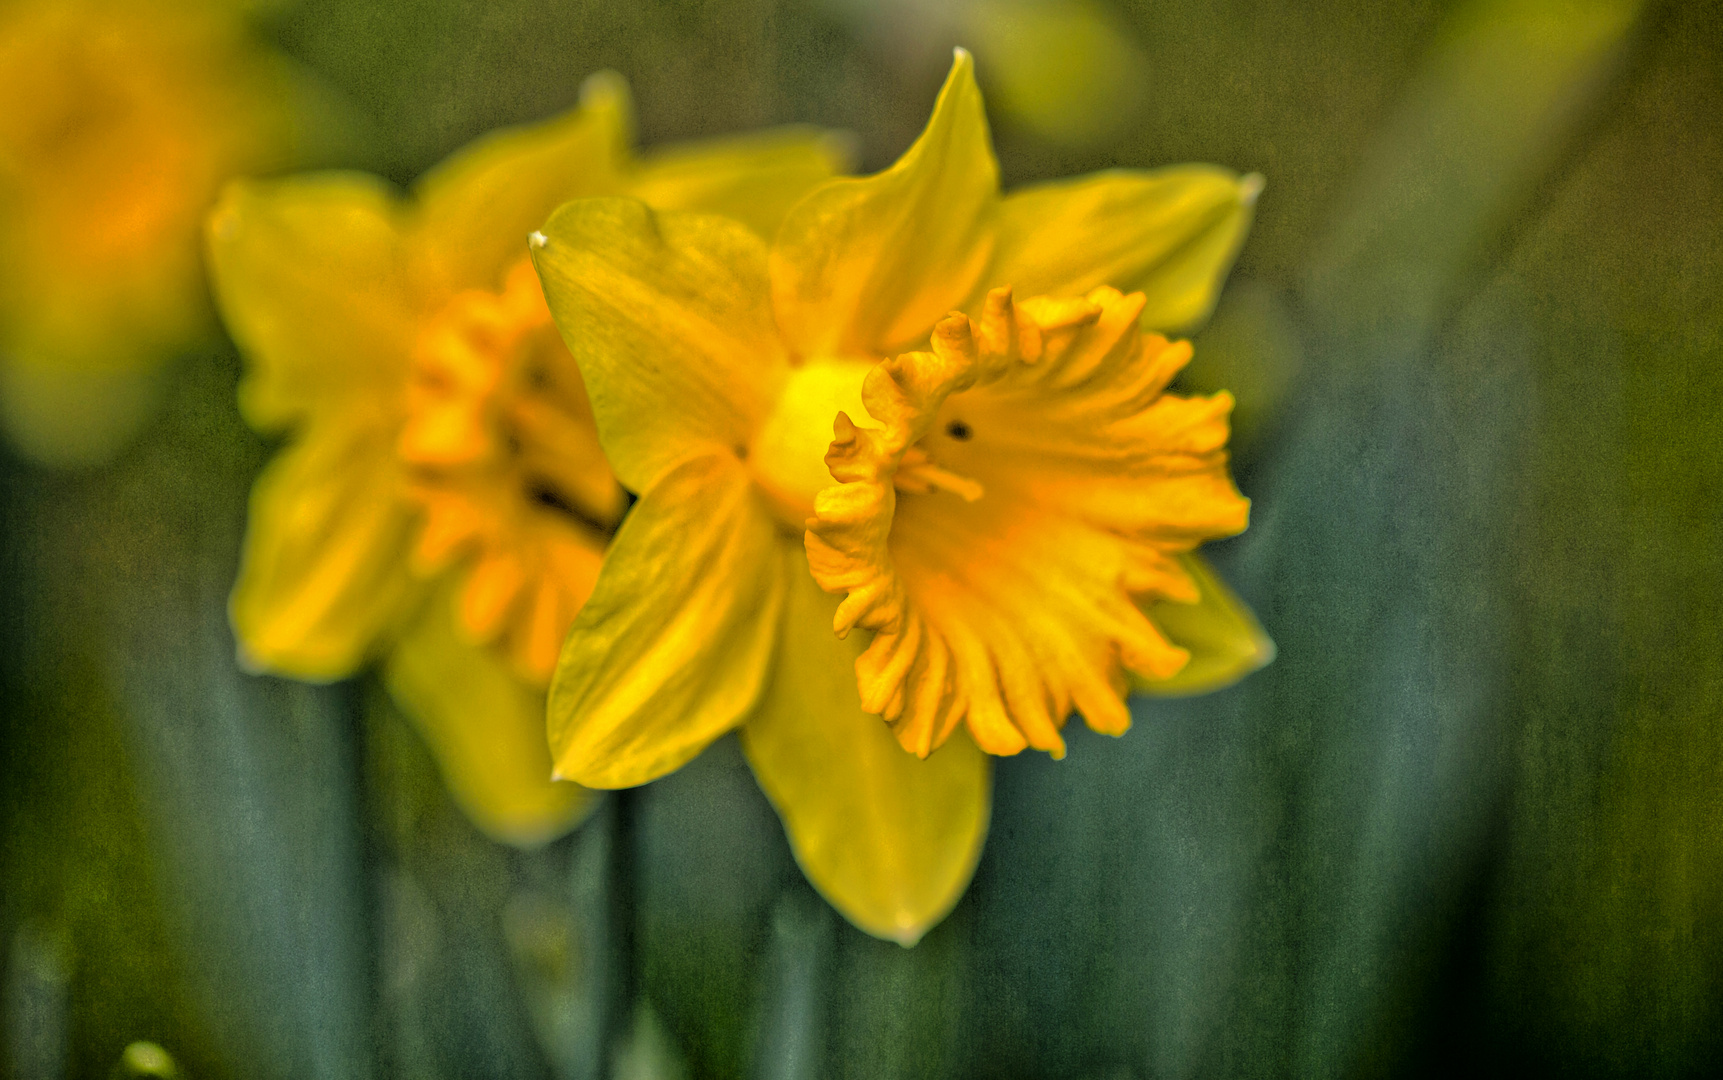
122	120
444	502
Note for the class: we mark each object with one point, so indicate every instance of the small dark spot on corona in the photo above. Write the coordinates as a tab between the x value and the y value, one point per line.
741	452
958	430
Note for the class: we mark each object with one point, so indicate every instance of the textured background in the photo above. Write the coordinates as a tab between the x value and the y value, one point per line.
1470	820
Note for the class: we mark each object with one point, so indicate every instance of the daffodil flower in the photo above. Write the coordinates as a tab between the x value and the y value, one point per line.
122	121
444	502
1007	511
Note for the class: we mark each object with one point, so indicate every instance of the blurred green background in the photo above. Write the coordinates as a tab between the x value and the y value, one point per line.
1471	820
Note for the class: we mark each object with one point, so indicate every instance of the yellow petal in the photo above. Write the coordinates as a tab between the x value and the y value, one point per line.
485	727
477	208
323	574
753	178
1170	233
889	839
673	646
862	266
668	318
309	275
1225	641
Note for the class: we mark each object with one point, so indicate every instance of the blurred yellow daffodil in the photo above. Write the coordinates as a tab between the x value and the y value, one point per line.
1010	503
122	120
444	501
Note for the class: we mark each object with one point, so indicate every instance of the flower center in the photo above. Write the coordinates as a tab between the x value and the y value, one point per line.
1007	612
503	456
788	456
495	397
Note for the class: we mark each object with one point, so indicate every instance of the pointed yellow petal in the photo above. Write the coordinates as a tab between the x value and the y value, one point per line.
668	318
862	266
477	208
673	646
323	570
485	727
310	279
753	178
891	840
1171	233
1226	642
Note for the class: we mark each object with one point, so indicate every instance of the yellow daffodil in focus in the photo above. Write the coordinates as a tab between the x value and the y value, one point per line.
1007	512
122	120
443	502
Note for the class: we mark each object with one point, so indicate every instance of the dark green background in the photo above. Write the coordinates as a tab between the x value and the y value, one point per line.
1471	820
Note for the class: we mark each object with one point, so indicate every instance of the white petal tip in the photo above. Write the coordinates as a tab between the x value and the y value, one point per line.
960	54
537	239
1250	187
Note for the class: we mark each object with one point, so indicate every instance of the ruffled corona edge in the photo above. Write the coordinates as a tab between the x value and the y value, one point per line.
1028	487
